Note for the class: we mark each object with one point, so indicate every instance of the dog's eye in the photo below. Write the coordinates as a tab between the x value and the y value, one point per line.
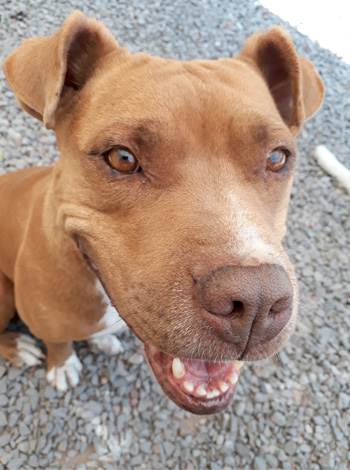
122	161
276	160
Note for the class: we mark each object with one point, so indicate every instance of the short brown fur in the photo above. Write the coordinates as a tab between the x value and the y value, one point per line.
201	130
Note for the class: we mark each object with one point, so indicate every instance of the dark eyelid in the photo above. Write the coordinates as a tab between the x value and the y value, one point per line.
286	145
285	150
106	147
137	135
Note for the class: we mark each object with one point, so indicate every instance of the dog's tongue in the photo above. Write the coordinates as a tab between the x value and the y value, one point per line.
205	379
204	370
202	387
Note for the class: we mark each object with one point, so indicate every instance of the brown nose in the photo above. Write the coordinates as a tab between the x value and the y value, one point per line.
246	305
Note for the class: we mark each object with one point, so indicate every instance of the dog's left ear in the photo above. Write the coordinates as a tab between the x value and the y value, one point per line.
42	70
294	84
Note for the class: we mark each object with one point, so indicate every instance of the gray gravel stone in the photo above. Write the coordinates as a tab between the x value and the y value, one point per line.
239	408
215	466
62	446
3	385
327	461
169	448
2	368
279	419
344	401
23	447
24	429
271	461
13	418
13	373
15	464
3	419
136	359
290	447
259	463
243	450
33	461
5	439
3	400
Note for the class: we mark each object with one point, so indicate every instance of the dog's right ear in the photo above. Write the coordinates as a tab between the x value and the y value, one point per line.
43	68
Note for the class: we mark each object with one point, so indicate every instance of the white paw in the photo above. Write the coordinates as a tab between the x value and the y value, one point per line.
109	344
59	377
27	352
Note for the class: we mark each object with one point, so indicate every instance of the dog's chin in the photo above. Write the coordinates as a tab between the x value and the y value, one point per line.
200	387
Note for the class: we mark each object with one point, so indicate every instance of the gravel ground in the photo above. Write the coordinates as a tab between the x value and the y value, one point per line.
288	413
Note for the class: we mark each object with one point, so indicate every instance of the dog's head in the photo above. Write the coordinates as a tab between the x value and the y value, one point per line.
174	180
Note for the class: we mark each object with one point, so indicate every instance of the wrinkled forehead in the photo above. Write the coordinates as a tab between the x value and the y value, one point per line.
147	99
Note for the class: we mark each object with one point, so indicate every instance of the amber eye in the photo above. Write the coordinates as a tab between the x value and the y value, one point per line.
276	160
122	161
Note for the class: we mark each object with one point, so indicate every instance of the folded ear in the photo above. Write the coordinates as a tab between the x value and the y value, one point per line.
294	84
43	68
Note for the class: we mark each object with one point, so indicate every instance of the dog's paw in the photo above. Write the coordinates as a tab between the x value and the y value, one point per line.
109	344
67	373
28	353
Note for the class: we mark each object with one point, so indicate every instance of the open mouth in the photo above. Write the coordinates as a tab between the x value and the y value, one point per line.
200	387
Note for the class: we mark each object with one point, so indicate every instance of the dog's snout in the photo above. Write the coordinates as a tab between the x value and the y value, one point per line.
246	305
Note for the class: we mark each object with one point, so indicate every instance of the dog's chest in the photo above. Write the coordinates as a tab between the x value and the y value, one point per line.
111	322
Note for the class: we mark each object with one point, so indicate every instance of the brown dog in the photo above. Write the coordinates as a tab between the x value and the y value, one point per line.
170	196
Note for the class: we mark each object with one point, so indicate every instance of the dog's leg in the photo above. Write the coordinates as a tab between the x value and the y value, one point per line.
63	365
108	344
18	348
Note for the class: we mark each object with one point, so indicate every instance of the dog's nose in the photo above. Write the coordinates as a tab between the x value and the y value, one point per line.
246	305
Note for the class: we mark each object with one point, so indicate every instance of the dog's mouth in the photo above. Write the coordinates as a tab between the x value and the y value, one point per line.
200	387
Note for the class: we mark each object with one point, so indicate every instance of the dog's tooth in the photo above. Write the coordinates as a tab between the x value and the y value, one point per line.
178	368
201	391
237	364
210	394
188	386
223	387
214	392
233	378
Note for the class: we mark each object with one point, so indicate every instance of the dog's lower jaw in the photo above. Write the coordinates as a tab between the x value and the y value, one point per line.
197	386
201	386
